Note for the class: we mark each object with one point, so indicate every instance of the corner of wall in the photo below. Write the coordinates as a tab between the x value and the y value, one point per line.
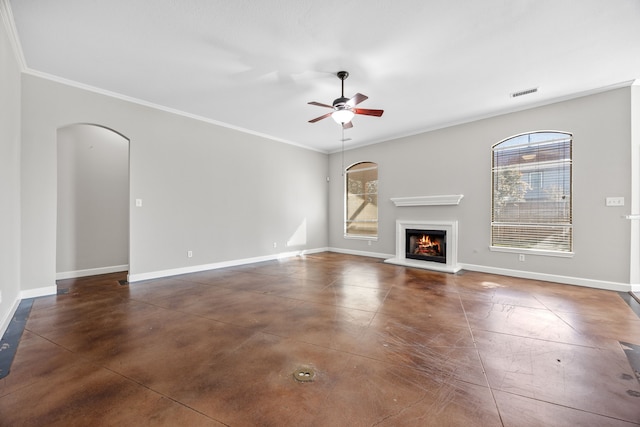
6	319
634	250
12	33
11	66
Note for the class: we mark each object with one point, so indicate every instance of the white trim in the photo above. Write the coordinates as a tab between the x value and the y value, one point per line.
565	280
39	292
442	200
162	108
360	237
634	226
91	272
425	265
4	324
345	197
223	264
568	280
532	251
12	33
500	112
359	253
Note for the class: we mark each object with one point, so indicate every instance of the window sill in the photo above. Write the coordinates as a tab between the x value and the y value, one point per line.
452	199
356	237
540	252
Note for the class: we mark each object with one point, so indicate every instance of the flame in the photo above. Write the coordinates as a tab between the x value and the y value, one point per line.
425	245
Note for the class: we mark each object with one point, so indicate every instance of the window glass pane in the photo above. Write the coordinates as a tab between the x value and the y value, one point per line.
361	209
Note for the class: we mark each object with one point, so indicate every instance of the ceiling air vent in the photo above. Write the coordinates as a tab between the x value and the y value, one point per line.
524	92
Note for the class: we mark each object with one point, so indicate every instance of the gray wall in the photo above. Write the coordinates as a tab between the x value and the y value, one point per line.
457	160
223	194
93	201
9	177
634	206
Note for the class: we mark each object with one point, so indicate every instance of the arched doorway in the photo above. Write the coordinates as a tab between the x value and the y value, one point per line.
93	201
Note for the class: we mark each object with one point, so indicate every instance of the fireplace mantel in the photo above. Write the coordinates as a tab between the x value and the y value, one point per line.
447	199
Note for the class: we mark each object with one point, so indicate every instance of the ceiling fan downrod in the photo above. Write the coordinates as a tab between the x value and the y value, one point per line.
342	75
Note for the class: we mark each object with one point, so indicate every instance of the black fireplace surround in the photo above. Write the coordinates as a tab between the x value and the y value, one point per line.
426	245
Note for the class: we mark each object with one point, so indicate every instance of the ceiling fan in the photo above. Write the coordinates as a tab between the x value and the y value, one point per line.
344	108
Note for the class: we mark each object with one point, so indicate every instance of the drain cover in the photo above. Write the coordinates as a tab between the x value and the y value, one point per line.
304	375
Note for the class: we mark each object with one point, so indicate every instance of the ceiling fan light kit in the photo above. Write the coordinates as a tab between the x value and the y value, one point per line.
342	115
344	108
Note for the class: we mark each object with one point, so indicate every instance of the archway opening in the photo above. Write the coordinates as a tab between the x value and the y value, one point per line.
93	201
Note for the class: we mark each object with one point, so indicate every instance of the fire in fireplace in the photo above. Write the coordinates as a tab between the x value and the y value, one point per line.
426	245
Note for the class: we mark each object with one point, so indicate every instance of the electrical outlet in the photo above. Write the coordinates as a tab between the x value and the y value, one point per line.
189	254
614	201
275	244
521	257
138	203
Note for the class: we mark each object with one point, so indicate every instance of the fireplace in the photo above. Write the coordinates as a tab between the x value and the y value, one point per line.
426	245
431	245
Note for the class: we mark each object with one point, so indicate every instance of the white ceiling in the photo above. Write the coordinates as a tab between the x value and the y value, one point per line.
254	65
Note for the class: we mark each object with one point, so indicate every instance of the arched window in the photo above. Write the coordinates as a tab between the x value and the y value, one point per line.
361	200
531	194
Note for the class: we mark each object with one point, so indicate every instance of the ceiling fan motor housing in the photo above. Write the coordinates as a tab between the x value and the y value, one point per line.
340	103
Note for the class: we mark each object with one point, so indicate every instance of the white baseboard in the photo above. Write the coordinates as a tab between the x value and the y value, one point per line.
39	292
568	280
31	293
51	290
361	253
232	263
91	272
578	281
4	322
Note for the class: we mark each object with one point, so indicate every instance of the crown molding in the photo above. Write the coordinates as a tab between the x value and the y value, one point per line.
12	33
94	89
497	113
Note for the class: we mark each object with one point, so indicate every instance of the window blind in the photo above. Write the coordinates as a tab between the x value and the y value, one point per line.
531	192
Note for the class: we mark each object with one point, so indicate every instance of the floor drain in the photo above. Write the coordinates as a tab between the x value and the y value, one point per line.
304	375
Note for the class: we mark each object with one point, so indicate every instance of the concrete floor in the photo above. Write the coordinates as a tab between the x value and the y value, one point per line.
389	346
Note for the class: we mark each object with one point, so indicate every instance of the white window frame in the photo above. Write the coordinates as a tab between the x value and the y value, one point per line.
524	166
346	194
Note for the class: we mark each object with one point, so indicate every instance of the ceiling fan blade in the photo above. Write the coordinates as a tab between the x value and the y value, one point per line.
319	104
347	125
357	99
324	116
367	112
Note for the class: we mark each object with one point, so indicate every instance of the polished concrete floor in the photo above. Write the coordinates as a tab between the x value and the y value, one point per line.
388	345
